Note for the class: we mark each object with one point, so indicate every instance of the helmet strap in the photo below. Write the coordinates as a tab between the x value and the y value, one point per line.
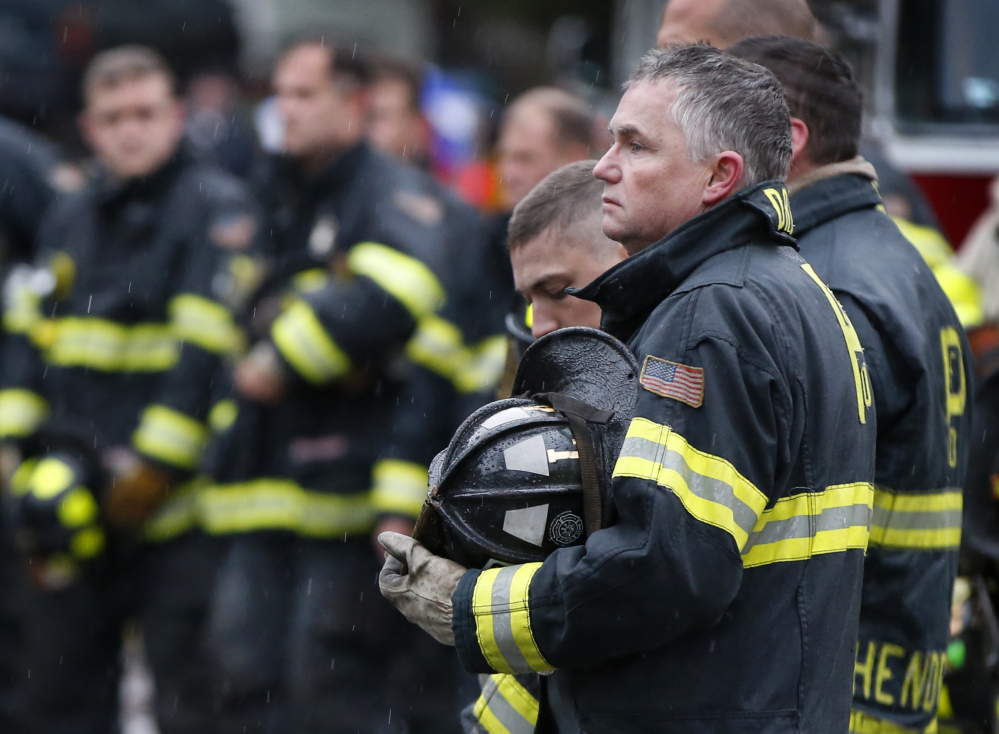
580	415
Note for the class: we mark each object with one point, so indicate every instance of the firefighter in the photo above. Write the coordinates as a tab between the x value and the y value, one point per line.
556	243
111	346
921	375
739	518
362	246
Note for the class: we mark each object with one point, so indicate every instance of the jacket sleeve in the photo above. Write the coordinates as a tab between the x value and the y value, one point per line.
23	404
365	314
173	429
689	486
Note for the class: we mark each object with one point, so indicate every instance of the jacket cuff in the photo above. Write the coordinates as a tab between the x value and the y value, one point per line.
303	342
170	437
495	621
463	624
400	487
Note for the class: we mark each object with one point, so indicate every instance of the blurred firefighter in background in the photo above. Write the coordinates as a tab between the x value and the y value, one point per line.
396	124
332	435
33	173
112	342
542	130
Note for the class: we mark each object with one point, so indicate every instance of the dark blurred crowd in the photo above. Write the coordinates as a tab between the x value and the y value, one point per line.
234	339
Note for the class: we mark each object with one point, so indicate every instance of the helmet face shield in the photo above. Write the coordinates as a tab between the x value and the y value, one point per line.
509	488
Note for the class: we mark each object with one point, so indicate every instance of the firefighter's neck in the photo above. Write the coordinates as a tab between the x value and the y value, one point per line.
317	161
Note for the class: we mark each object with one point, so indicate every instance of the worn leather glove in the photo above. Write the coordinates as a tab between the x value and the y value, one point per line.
419	584
137	490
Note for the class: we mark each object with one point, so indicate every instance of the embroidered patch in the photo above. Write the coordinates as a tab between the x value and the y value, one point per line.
672	380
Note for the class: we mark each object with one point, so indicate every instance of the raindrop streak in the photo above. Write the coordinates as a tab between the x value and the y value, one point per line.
90	301
309	591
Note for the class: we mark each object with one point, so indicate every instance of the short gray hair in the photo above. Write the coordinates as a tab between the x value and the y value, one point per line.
724	103
564	198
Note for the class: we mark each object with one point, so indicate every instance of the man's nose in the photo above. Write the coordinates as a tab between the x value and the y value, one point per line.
607	169
543	323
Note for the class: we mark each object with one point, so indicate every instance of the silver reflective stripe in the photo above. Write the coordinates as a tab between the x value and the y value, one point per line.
916	520
712	490
807	526
502	623
503	710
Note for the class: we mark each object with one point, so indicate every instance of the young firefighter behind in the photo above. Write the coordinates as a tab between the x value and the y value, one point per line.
111	347
724	595
555	243
921	375
362	247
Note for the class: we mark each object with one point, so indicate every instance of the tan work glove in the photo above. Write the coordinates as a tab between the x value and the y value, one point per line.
137	490
419	584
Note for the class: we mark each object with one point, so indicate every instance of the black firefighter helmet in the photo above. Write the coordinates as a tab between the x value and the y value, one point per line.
530	474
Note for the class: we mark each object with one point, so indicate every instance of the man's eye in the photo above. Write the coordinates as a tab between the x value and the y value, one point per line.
636	147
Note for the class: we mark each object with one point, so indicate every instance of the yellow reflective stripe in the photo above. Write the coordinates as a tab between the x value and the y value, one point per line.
203	322
177	514
713	491
407	279
437	345
812	523
170	436
21	412
930	521
502	612
710	488
483	368
108	346
399	486
862	723
305	344
222	415
505	706
281	504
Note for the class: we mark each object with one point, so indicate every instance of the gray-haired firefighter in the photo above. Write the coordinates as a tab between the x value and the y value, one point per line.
738	515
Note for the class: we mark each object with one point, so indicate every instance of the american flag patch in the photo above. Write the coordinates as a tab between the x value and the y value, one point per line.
672	380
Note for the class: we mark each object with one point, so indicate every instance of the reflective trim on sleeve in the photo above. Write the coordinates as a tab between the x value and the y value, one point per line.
281	504
505	706
917	521
437	345
407	279
177	514
484	365
810	524
108	346
710	488
399	487
205	323
170	436
862	723
21	412
714	492
304	343
502	612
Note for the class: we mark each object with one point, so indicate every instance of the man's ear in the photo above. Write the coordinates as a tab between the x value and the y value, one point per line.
726	173
799	138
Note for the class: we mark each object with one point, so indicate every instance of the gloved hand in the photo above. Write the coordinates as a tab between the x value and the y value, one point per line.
137	489
419	584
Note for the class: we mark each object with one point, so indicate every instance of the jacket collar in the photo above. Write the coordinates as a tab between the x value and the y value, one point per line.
329	181
628	292
110	190
835	190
